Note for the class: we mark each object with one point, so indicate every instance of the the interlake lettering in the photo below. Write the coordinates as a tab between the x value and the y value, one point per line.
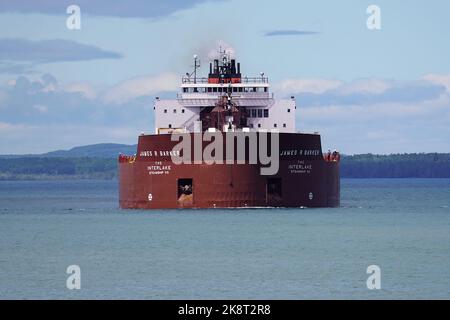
300	167
158	168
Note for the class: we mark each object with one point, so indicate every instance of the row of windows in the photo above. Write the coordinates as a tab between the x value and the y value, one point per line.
224	89
251	125
251	113
257	113
274	125
174	110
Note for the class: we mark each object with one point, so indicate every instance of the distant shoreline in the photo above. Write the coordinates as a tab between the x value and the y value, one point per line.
43	177
420	165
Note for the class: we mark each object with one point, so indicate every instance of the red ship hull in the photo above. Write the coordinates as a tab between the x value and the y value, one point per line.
304	178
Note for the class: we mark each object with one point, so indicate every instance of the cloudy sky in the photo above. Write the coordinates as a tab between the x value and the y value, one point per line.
379	91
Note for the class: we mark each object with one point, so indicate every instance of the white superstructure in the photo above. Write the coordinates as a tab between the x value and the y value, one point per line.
198	96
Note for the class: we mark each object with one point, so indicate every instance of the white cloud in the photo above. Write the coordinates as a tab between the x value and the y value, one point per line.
371	86
3	97
376	115
440	79
319	86
366	115
316	86
51	87
41	108
141	86
221	45
8	127
382	127
84	88
49	84
43	137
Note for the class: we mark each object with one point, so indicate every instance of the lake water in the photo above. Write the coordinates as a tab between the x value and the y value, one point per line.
401	225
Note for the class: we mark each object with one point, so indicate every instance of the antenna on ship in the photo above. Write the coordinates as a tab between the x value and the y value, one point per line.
196	65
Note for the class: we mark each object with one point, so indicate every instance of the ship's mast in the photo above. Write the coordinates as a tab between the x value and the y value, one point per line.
196	65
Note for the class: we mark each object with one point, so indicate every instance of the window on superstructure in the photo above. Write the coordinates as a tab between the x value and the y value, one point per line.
174	110
254	89
259	125
195	89
289	110
234	89
165	110
266	113
265	89
185	90
240	89
251	125
215	89
182	110
170	126
253	113
260	113
209	89
274	125
284	125
220	89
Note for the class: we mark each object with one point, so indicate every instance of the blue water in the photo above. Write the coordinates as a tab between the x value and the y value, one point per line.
403	226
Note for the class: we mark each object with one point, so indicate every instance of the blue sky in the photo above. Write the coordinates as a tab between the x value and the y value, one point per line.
379	91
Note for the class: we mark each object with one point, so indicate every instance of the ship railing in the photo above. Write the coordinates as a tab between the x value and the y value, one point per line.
332	156
234	95
126	158
243	80
245	102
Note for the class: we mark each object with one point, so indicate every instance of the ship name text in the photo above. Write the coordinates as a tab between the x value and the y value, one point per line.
300	152
159	153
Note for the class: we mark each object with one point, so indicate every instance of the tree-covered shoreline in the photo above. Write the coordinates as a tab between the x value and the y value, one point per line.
411	165
414	165
43	168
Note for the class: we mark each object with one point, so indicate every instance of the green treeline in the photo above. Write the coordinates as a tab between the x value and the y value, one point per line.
54	168
411	165
421	165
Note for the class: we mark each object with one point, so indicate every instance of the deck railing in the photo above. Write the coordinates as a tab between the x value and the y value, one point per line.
243	80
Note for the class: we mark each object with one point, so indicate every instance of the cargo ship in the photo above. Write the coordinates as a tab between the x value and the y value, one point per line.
226	142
